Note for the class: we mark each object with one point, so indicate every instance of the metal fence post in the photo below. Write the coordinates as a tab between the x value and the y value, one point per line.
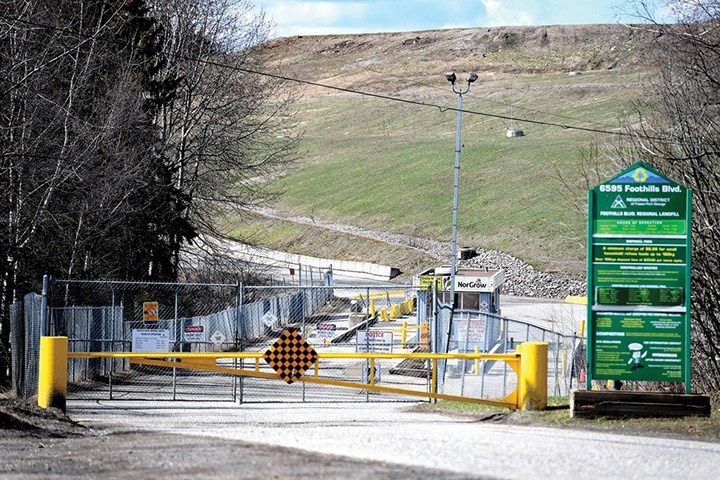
532	384
367	341
44	325
504	349
465	350
237	340
177	343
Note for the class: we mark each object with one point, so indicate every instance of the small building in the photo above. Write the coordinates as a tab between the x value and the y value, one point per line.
511	132
475	289
475	320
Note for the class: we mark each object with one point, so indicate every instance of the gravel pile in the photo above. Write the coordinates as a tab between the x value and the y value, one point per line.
521	279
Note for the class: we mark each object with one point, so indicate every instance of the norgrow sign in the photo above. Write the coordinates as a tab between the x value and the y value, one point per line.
639	278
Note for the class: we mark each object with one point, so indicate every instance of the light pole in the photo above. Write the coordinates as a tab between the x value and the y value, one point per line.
450	76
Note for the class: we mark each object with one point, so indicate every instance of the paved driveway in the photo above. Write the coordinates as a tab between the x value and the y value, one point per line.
394	433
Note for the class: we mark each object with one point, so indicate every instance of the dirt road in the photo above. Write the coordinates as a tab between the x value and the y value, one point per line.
37	443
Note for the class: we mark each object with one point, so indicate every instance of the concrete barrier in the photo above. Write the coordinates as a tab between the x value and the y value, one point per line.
274	258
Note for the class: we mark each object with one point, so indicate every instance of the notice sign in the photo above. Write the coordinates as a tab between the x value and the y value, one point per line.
640	346
325	330
379	341
639	251
150	313
150	340
470	333
194	333
477	283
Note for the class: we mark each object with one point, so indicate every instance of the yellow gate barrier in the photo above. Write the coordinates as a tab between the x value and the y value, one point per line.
530	364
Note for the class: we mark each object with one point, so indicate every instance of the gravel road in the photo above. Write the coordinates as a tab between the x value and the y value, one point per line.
420	444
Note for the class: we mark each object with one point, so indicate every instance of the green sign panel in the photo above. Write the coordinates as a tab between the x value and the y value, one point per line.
639	278
640	346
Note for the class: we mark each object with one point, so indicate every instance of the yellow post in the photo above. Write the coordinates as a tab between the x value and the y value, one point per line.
384	315
411	305
532	381
403	338
433	377
372	308
52	384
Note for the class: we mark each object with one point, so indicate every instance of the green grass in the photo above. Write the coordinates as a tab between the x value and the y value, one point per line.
558	415
389	166
320	242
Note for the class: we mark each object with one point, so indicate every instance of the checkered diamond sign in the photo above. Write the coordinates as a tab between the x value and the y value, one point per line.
290	356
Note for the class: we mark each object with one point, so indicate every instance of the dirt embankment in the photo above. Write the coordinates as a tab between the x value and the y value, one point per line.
387	62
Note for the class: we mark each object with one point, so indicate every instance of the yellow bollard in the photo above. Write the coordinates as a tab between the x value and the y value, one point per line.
372	308
52	384
403	338
411	305
532	381
394	312
384	315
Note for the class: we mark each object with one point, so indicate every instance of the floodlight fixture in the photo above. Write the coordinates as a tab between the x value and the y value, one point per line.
472	77
450	76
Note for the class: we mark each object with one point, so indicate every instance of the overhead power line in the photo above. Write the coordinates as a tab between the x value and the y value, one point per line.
286	78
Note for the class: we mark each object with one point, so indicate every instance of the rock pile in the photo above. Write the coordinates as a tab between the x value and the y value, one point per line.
521	279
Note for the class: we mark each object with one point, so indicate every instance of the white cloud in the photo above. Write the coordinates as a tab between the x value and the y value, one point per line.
503	13
316	18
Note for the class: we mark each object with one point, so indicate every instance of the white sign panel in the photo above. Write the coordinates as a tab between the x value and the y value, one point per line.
479	284
150	340
379	341
325	330
471	331
218	338
194	333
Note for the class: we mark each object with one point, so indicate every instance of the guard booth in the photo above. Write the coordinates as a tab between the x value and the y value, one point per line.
476	321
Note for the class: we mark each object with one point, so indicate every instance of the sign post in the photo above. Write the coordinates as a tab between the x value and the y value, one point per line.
639	250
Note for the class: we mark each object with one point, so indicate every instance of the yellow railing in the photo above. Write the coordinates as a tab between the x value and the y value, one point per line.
530	364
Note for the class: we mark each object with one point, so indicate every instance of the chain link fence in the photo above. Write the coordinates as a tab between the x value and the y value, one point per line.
109	316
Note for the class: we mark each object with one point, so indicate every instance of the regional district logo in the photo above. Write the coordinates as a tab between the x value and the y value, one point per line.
640	175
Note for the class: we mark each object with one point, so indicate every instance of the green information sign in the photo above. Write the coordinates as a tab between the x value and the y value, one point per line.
639	346
639	278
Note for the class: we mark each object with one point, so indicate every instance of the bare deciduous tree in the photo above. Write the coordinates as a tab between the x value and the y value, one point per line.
226	131
681	136
125	126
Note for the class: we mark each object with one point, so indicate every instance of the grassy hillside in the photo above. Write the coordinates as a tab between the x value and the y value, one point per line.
387	165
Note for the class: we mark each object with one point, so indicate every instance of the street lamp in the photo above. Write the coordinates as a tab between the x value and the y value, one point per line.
450	76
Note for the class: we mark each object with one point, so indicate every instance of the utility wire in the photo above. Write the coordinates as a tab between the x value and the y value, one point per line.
286	78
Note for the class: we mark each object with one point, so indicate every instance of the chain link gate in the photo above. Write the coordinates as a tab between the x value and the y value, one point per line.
101	316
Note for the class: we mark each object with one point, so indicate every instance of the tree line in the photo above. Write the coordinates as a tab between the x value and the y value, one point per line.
126	128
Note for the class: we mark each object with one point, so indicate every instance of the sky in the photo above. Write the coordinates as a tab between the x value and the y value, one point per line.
324	17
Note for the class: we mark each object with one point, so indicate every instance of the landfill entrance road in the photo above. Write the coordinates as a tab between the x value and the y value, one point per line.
399	434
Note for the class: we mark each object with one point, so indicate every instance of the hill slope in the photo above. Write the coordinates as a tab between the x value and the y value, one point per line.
388	166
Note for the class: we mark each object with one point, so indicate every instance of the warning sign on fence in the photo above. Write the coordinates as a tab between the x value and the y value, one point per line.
380	341
194	333
150	313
